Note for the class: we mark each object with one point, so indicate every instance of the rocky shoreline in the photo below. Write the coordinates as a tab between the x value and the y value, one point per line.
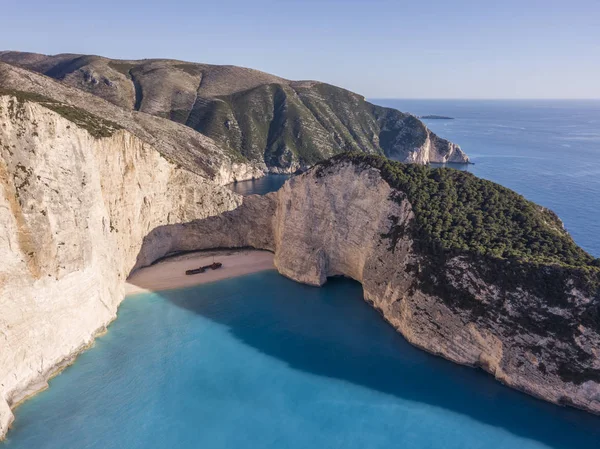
75	209
336	221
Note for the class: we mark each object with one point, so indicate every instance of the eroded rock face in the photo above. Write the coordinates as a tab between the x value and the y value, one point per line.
347	210
250	225
340	222
346	220
73	212
179	144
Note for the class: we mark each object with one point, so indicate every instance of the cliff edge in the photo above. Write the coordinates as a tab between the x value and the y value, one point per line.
77	195
524	306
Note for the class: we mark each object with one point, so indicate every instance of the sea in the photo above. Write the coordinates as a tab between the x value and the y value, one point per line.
546	150
260	186
260	361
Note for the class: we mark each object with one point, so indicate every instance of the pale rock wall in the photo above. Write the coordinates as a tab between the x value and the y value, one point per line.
250	225
230	172
436	150
341	221
73	213
325	226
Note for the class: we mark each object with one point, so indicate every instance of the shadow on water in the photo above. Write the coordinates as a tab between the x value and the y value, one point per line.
331	332
260	186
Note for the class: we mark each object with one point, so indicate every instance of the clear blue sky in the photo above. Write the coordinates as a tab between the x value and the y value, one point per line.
379	48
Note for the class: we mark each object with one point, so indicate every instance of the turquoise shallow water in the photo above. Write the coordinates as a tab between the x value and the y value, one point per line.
262	362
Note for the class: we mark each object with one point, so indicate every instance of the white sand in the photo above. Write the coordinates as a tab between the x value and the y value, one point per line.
170	273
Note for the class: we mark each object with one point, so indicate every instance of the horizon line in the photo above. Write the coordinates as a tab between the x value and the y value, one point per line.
482	99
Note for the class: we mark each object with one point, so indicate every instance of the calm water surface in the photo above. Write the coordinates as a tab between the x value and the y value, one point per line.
263	362
547	150
266	184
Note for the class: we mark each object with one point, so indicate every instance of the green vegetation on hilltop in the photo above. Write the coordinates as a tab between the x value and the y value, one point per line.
250	114
96	126
456	211
486	251
307	122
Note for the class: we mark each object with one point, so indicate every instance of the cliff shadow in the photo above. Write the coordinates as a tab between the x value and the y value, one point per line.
332	332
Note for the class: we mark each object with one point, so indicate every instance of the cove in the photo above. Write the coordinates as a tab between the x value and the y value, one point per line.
260	361
268	183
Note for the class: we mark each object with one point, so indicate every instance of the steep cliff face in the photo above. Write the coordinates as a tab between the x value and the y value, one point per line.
259	117
533	326
472	310
179	144
74	209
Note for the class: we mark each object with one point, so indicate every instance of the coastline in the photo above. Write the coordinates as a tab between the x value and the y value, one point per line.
166	274
169	273
41	383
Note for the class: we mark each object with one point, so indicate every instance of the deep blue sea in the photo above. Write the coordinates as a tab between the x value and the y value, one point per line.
262	362
547	150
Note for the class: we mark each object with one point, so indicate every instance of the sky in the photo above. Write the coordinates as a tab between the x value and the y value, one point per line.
378	48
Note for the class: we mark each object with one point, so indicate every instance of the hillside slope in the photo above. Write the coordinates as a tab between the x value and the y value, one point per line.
266	119
177	143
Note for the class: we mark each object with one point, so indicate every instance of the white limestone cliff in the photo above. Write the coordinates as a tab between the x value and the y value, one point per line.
73	212
436	150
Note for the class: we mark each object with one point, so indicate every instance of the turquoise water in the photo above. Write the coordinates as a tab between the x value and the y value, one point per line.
262	362
547	150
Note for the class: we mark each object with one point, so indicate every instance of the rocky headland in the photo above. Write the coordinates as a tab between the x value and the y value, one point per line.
255	117
523	308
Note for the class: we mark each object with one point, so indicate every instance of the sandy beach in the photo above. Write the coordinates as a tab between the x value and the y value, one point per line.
170	273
